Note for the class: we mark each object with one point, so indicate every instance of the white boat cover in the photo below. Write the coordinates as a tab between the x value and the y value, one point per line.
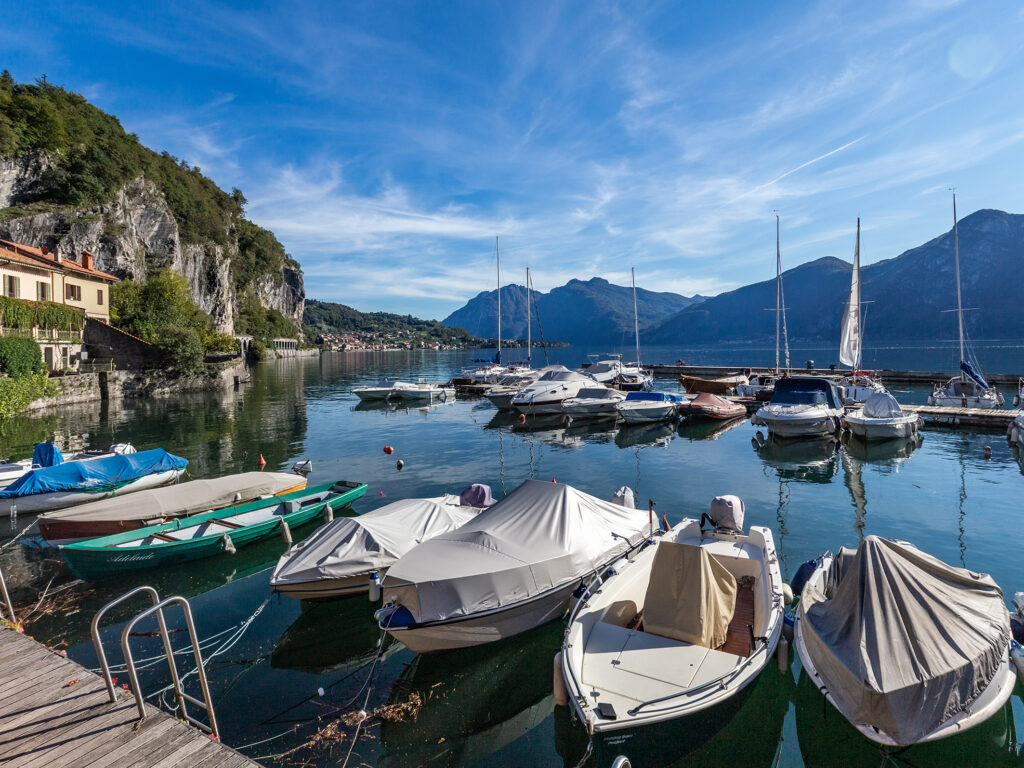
881	405
541	536
691	597
903	641
182	499
349	546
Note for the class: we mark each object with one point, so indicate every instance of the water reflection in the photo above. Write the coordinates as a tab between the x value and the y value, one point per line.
328	636
645	435
706	429
811	461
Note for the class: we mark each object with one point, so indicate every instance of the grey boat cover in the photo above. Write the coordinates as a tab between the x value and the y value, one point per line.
881	405
539	537
183	499
349	546
903	641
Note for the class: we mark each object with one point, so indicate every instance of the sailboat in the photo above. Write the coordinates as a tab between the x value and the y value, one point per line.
969	389
509	386
632	377
859	385
762	385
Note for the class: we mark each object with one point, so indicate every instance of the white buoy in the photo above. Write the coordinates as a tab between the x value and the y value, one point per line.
328	513
374	591
286	533
561	693
229	545
787	594
782	654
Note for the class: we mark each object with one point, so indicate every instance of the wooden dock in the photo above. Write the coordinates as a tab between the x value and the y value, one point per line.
884	374
996	418
46	721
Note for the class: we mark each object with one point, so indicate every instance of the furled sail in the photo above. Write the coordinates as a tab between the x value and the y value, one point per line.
849	344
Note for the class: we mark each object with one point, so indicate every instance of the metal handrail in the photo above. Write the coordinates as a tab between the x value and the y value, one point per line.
7	598
179	693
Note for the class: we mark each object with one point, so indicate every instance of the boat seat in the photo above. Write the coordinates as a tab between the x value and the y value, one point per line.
621	613
197	531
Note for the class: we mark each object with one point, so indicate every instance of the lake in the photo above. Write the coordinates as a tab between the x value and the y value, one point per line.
270	657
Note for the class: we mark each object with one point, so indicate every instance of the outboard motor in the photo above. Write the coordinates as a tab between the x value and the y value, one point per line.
624	497
726	513
477	495
303	467
122	449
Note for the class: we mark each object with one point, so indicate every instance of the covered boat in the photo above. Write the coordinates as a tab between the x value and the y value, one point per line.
547	393
512	568
76	482
685	626
722	385
882	418
645	407
160	505
802	406
907	648
708	406
341	557
593	403
49	455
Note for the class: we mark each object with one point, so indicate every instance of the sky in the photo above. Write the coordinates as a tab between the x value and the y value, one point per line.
387	144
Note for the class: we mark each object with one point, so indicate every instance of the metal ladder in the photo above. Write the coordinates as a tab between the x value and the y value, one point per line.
7	600
179	693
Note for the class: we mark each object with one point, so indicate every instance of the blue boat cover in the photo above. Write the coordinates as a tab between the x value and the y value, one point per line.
47	455
95	475
974	373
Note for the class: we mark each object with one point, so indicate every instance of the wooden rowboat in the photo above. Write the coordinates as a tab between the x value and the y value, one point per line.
207	534
707	406
719	386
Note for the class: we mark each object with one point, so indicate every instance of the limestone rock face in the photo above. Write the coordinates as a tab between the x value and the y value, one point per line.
135	234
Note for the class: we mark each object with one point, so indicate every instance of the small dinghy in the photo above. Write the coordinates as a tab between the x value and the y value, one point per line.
685	625
708	406
342	557
907	648
160	505
881	418
802	406
646	407
514	567
207	534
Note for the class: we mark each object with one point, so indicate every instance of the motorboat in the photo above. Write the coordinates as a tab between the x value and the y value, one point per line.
548	392
634	378
343	556
425	390
802	406
642	407
760	386
882	418
49	455
382	390
502	393
512	568
161	505
604	369
858	386
684	626
708	406
907	648
593	403
723	385
1015	431
1018	399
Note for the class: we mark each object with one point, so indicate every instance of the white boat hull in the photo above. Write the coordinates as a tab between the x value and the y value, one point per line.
948	401
593	410
647	414
418	394
376	393
538	408
817	422
1015	432
883	429
47	502
327	589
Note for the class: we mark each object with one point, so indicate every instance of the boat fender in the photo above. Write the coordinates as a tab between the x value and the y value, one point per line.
374	592
229	545
665	524
399	465
788	625
782	654
286	533
1018	604
1017	629
803	575
787	594
617	566
558	689
328	513
1017	659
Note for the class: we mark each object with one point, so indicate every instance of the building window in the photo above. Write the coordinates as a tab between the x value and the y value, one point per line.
12	286
73	292
43	291
99	297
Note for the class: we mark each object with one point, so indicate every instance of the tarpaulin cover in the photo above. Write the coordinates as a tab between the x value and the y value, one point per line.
477	495
93	475
349	546
967	367
541	536
881	405
728	512
903	641
161	504
47	455
691	597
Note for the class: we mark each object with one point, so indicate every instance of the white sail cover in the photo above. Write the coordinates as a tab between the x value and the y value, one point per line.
882	405
849	343
541	536
349	546
903	641
182	499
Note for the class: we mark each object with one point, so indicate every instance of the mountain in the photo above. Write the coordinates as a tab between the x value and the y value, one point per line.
329	317
908	294
580	312
72	179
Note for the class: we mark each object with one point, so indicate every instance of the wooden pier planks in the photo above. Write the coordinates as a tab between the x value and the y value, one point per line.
46	723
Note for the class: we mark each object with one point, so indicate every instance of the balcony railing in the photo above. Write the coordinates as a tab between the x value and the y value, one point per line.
69	335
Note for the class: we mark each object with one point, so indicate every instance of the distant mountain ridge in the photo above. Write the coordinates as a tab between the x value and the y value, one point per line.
908	294
580	312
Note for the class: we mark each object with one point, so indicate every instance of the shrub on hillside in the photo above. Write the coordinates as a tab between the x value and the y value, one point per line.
20	357
182	349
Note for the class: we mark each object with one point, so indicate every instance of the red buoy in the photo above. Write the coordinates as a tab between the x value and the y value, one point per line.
553	479
261	463
382	493
388	450
522	418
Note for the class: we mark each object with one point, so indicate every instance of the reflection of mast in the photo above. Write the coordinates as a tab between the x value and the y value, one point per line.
501	461
780	519
963	512
854	482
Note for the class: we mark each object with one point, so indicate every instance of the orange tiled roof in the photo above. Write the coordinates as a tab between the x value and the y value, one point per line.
34	257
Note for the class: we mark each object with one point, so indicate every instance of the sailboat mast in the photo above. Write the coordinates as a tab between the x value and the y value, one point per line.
860	317
529	339
497	253
778	292
956	261
636	320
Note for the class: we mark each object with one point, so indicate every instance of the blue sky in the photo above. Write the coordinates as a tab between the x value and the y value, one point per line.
386	144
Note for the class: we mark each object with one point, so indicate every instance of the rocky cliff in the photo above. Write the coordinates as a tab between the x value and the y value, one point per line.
135	234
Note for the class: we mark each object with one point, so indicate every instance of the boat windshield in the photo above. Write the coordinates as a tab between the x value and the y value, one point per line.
598	394
655	396
799	397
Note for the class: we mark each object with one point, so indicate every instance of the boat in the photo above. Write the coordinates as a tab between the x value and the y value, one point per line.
514	567
969	389
802	406
78	482
603	368
640	407
1018	399
502	393
382	390
858	385
593	403
760	386
1015	431
160	505
49	455
907	648
708	406
342	557
722	385
882	418
207	534
547	393
425	390
632	377
683	627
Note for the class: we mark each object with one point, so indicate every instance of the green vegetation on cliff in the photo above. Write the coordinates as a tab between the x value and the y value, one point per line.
327	317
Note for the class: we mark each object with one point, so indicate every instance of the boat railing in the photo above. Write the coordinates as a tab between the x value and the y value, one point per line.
7	600
181	697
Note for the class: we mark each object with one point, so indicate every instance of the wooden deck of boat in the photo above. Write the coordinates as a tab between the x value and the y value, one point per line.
737	641
46	721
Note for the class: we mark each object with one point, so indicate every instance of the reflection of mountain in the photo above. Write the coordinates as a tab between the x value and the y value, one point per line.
828	740
641	435
811	461
475	702
328	636
707	429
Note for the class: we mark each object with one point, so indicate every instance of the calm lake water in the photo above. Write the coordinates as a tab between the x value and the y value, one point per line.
493	705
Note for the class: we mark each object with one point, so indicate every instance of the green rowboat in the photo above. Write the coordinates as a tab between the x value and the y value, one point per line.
206	534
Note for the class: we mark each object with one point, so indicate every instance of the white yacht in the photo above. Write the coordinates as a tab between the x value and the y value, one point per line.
593	403
382	390
547	393
425	390
645	407
882	418
802	406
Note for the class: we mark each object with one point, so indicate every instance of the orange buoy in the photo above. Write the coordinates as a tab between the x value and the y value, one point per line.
382	493
388	450
399	464
522	418
261	463
553	479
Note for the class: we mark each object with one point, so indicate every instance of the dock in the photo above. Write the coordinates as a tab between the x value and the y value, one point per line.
886	375
55	713
995	418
